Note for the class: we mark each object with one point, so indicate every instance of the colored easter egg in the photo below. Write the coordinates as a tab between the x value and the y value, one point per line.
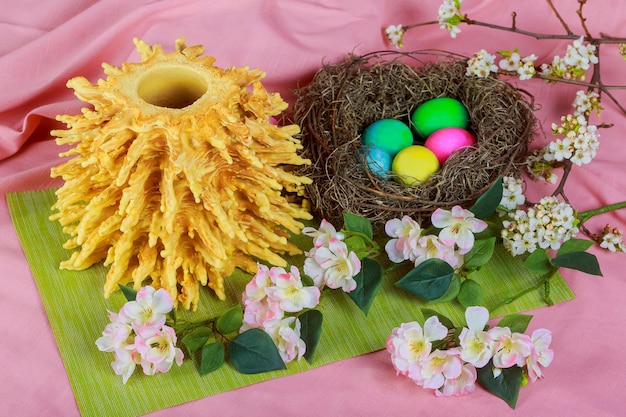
445	141
378	161
438	113
415	164
390	135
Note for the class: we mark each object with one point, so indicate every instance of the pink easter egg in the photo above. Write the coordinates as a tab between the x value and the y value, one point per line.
444	142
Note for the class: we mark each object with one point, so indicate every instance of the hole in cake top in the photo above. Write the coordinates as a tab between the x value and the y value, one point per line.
173	88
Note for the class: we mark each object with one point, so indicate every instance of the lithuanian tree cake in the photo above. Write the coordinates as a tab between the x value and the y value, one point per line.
177	174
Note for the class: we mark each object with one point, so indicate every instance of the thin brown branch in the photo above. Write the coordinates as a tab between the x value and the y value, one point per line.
558	16
583	20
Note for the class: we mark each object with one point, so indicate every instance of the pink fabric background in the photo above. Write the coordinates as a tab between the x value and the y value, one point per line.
44	43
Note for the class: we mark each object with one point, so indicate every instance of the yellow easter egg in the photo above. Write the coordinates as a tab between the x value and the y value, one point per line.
415	164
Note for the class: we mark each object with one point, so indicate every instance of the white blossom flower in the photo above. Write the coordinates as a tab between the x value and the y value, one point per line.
395	33
512	192
612	240
586	102
511	62
481	64
449	16
527	69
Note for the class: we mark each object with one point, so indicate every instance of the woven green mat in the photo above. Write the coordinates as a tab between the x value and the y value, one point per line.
77	312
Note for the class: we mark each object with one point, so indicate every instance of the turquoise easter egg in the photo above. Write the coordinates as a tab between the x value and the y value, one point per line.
390	135
439	113
378	161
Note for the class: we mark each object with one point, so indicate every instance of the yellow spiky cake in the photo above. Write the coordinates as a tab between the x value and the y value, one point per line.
177	174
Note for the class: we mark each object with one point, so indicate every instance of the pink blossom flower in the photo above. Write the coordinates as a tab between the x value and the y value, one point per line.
258	314
541	356
439	366
406	233
323	235
333	266
410	344
511	349
464	384
430	246
477	345
159	352
458	227
290	294
124	363
114	337
147	312
255	289
286	335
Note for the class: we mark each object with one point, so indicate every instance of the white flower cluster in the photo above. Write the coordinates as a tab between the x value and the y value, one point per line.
450	16
574	65
524	67
395	33
512	193
544	225
481	64
612	240
586	102
580	144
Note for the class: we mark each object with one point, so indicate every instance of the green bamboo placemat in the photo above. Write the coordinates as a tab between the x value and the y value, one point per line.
77	312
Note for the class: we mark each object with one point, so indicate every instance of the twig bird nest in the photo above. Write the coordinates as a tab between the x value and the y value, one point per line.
344	98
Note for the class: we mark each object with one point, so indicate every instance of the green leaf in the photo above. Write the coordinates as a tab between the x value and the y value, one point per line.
539	262
128	292
518	323
505	386
427	312
307	281
471	294
231	320
487	203
368	282
480	254
212	357
355	243
310	331
574	245
253	352
451	292
197	338
355	223
429	280
580	261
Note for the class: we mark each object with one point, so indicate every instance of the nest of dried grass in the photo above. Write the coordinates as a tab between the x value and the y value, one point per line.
344	98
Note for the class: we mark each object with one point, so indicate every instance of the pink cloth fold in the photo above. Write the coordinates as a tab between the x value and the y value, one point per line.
45	43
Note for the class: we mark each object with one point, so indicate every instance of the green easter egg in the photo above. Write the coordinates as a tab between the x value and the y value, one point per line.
439	113
390	135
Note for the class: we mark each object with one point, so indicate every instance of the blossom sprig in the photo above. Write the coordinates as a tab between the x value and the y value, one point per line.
445	254
271	300
451	359
345	259
138	335
449	16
